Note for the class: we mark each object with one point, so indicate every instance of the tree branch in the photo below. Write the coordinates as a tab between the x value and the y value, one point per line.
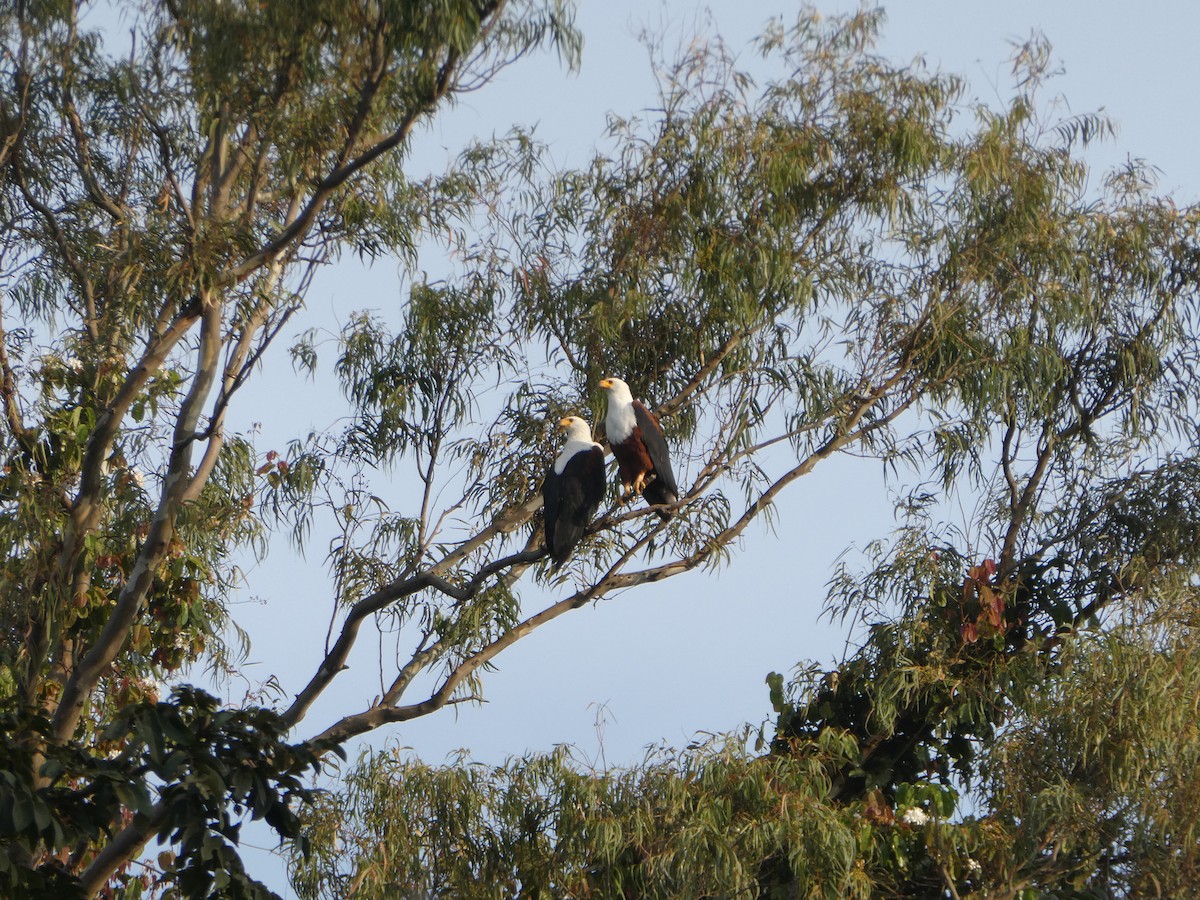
710	365
124	846
85	510
95	662
83	151
59	237
8	391
342	173
237	369
335	659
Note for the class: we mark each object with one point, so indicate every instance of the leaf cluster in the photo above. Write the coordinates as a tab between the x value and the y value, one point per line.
197	770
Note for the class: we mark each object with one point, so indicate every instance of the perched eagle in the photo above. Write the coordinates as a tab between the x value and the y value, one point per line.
638	444
573	489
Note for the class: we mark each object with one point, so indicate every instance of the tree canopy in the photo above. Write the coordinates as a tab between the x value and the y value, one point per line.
843	255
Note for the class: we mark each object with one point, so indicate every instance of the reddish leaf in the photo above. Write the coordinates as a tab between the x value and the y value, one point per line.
878	812
993	605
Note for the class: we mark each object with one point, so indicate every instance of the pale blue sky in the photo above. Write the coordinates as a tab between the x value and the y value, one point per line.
689	655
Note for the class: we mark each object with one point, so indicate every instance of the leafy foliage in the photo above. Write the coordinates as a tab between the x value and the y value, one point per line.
183	761
839	256
700	824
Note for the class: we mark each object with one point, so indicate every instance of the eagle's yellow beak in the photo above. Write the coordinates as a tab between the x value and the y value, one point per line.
565	421
606	383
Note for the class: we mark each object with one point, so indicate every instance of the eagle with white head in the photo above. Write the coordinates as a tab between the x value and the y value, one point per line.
640	447
573	489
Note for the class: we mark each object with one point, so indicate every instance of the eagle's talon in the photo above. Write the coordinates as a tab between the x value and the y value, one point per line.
642	482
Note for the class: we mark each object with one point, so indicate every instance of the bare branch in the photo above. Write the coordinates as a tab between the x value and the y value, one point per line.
335	659
168	166
424	656
1020	510
83	150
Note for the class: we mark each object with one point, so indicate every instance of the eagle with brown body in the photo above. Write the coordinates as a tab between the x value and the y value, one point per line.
640	447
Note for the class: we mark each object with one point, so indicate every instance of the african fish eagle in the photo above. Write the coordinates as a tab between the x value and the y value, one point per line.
573	489
638	443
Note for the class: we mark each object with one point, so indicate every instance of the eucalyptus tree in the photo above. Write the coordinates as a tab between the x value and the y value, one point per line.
846	257
831	262
165	201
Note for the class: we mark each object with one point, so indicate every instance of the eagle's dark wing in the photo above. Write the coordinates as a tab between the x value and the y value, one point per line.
552	509
663	489
571	500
